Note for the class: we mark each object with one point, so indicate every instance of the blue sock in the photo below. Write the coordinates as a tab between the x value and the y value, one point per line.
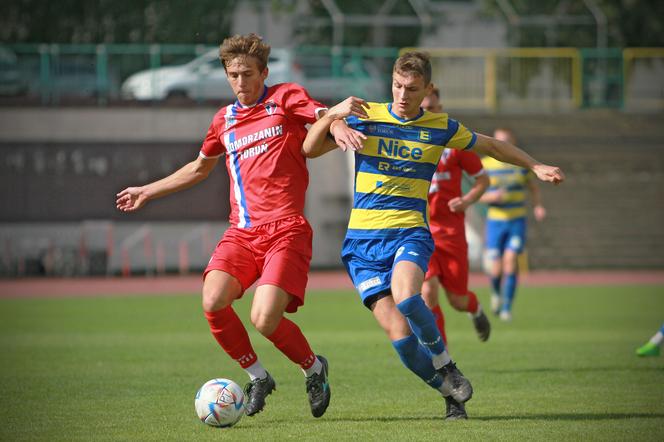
423	323
509	289
495	284
661	330
417	359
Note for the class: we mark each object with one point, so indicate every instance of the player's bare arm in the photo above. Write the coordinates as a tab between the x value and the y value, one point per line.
133	198
316	143
345	137
494	196
509	153
460	204
538	209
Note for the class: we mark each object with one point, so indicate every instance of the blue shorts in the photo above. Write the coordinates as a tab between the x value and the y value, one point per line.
505	235
369	262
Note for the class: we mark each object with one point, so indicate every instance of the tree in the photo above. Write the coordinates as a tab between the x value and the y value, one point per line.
116	21
630	23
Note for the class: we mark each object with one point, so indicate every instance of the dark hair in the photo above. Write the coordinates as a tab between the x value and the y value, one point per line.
415	62
250	45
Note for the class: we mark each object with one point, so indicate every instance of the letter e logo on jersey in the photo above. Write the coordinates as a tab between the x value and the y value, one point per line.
425	135
270	107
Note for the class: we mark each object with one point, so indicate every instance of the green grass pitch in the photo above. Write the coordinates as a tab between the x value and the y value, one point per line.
127	368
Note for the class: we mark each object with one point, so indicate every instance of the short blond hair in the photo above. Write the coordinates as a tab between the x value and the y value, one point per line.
243	46
415	62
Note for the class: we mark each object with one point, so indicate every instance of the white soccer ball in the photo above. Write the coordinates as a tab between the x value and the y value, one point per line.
220	403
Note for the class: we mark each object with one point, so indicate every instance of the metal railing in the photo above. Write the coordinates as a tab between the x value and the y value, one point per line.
510	79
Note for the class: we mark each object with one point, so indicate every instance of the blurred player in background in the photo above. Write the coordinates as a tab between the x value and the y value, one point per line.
431	102
652	347
388	243
447	206
505	236
269	241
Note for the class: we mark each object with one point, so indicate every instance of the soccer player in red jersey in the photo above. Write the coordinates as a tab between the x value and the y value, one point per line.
449	262
269	240
447	205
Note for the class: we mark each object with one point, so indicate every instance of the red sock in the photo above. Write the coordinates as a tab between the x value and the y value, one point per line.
440	322
230	333
473	303
288	338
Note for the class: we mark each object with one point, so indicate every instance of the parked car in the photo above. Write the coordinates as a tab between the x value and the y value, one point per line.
356	78
77	78
203	78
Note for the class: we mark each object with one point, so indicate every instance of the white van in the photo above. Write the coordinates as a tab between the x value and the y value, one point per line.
203	78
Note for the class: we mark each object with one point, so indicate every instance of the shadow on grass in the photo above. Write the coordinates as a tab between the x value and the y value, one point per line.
438	418
573	417
572	370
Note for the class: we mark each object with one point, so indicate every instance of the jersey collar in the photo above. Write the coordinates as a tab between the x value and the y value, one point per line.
239	105
403	120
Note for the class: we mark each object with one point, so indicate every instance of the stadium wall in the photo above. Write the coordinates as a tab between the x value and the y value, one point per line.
65	165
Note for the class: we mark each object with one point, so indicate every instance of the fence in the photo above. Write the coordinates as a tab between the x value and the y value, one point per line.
643	73
106	248
523	78
512	80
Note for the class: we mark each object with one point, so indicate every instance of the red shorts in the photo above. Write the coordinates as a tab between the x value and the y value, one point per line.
276	253
449	263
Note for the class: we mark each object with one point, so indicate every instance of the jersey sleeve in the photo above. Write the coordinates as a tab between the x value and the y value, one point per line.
299	104
462	137
471	163
212	145
353	122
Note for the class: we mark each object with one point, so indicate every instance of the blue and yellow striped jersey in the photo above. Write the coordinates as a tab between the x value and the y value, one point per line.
513	180
393	171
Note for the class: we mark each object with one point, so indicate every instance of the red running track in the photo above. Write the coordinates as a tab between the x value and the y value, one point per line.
333	280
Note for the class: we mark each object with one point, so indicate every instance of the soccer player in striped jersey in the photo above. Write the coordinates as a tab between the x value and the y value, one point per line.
505	236
388	243
269	240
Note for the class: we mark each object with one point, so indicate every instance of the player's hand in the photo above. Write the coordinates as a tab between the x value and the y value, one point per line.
540	212
350	106
345	137
457	204
130	199
551	174
495	196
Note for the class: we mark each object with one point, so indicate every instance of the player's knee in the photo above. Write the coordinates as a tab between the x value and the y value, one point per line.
491	262
430	295
510	262
265	322
214	300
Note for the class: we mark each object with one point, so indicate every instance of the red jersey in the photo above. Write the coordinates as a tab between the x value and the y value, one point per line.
446	185
263	147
